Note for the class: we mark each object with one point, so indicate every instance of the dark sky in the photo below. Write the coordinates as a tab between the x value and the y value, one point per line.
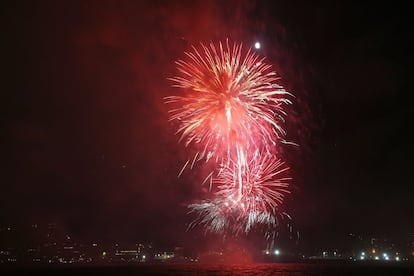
87	138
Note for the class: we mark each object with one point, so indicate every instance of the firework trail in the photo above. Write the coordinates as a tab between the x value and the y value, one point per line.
231	109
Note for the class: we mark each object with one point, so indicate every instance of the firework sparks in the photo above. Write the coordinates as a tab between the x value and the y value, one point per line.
217	219
231	109
264	187
229	100
263	184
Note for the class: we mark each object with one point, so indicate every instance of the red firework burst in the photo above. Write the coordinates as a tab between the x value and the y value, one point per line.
231	107
230	98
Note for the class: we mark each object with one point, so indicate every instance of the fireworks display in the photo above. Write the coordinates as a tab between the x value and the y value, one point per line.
231	109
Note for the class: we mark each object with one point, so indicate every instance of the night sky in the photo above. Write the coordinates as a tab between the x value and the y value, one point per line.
87	141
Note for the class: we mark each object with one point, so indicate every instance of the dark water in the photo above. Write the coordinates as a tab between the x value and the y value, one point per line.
221	269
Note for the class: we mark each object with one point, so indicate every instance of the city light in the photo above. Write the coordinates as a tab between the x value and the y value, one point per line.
257	45
55	251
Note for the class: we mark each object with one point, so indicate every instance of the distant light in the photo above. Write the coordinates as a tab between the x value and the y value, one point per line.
277	252
363	253
376	258
267	252
104	254
362	257
143	257
373	251
385	255
397	258
257	45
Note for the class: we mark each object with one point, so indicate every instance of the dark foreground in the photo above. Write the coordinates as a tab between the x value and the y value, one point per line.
221	269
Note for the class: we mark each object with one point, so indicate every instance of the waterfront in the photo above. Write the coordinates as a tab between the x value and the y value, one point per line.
285	269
